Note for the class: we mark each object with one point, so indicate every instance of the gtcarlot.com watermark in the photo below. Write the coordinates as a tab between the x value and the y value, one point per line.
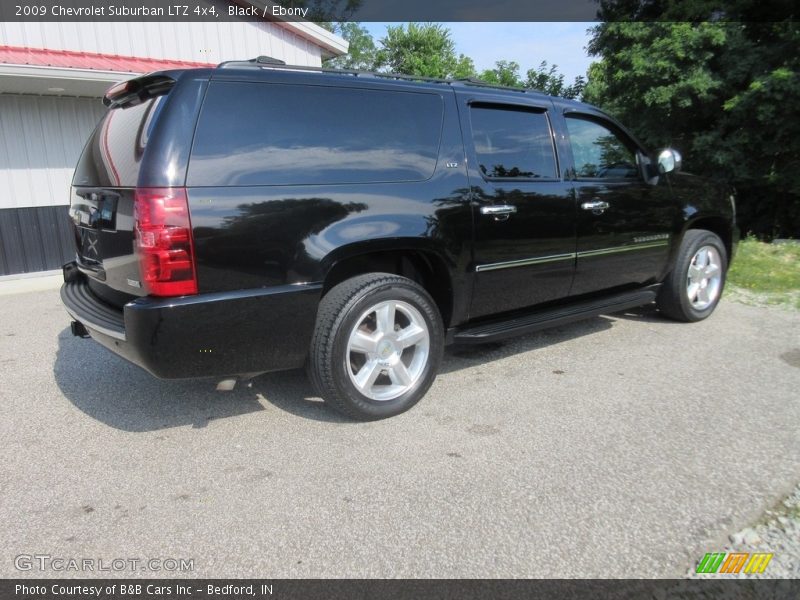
47	562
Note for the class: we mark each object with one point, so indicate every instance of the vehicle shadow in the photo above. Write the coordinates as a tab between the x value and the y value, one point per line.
123	396
647	314
463	356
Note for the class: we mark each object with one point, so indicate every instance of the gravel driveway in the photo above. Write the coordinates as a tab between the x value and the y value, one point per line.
623	446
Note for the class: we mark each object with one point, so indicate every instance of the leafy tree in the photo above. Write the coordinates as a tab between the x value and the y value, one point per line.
722	91
424	49
427	50
362	53
504	73
550	81
544	78
465	68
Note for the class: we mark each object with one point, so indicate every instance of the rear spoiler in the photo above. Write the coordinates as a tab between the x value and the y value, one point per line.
137	90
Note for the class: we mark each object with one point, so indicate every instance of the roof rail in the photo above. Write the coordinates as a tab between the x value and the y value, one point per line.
253	62
266	62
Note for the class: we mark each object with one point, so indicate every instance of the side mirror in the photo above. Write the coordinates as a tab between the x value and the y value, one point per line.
669	160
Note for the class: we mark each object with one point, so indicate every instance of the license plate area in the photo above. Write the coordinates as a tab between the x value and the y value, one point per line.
95	210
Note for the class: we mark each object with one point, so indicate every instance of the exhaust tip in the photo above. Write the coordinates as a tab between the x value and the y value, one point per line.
226	385
78	330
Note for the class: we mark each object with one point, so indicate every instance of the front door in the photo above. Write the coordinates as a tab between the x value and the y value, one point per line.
623	222
524	251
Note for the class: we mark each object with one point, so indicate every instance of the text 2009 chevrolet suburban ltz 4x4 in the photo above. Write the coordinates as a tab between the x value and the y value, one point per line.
255	217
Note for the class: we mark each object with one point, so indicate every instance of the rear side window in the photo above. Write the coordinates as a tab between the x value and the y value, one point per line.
276	134
598	152
512	143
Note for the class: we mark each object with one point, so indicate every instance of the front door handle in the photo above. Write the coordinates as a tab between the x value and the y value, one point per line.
596	206
499	211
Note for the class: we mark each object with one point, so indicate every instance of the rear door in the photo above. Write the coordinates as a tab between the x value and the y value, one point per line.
524	250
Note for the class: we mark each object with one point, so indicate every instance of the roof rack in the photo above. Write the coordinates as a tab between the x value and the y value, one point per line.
267	62
253	62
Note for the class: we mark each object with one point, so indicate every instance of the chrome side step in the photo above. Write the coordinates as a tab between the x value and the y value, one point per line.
498	329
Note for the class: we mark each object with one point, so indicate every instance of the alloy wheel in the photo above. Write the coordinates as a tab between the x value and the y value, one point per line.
387	350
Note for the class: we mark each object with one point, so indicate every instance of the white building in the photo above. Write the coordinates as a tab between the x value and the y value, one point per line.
52	76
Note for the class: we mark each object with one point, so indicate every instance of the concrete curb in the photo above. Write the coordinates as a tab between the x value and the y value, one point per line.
30	282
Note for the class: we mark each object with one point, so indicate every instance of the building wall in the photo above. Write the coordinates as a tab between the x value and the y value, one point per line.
34	239
203	42
41	138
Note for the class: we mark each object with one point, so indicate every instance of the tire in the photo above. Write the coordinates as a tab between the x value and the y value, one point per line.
692	290
377	346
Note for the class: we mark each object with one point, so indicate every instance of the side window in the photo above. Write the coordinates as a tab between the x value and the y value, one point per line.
512	143
278	134
598	152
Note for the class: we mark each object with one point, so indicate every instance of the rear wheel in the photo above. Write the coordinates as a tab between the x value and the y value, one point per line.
693	288
376	347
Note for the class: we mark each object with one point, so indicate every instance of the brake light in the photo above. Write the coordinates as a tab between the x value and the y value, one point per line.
135	91
163	241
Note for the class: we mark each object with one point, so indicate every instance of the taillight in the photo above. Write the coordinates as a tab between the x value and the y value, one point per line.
163	241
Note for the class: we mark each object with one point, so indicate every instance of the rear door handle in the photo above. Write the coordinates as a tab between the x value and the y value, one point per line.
596	206
499	211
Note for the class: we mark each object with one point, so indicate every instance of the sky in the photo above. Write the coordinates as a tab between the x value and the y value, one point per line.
563	44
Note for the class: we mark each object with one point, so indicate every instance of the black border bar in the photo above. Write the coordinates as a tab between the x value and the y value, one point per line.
396	589
394	10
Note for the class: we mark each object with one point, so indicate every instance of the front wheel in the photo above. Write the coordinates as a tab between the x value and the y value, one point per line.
376	347
693	288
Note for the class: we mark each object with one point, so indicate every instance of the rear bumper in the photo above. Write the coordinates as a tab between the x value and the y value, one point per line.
231	333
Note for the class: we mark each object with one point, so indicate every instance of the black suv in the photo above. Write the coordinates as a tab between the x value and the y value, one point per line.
256	217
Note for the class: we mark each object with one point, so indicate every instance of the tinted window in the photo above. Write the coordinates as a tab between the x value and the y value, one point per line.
598	152
512	143
262	134
113	155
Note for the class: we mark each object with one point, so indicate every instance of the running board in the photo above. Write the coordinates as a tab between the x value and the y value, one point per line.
500	329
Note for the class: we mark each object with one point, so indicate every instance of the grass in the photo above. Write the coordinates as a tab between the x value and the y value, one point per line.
766	273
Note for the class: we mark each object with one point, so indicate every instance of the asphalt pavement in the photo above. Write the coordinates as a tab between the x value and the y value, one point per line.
622	446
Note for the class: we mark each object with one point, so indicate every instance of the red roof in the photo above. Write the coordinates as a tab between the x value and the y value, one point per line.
67	59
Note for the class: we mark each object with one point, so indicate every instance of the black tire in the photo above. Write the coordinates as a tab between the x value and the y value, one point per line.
673	299
340	312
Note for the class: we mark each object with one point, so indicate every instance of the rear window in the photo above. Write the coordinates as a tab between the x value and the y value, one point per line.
114	153
276	134
512	143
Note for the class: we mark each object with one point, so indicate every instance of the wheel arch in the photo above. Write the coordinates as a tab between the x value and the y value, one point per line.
717	225
419	262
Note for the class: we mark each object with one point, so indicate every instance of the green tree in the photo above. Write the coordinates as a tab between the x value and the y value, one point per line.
544	78
505	72
465	68
362	52
722	91
550	81
424	49
427	50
